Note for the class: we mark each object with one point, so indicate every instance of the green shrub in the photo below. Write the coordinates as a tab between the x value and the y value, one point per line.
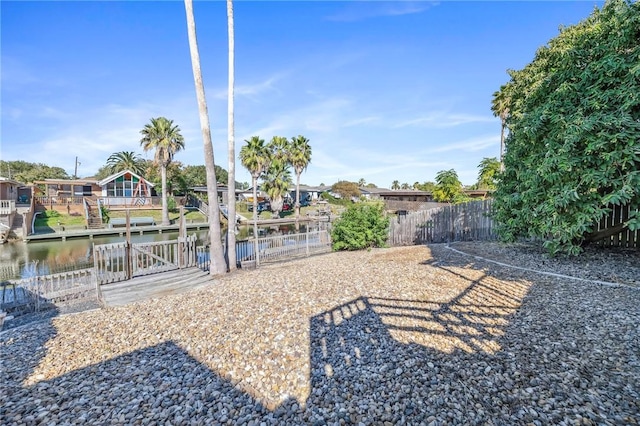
333	200
105	213
361	226
172	206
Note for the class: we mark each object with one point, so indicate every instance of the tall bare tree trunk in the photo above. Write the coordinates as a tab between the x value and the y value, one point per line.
165	200
297	196
502	146
231	185
216	253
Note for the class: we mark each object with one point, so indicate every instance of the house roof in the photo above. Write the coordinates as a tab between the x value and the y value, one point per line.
8	180
366	189
403	192
115	176
221	188
67	181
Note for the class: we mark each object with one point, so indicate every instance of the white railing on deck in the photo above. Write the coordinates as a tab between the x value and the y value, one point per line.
118	262
32	294
274	248
7	206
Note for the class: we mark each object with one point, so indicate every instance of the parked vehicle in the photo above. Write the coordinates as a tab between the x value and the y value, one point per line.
262	206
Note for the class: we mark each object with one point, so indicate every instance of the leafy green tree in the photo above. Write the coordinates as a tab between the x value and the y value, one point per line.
448	186
573	149
488	174
361	226
299	157
25	172
346	189
255	157
176	182
395	185
103	172
165	138
371	185
126	160
426	186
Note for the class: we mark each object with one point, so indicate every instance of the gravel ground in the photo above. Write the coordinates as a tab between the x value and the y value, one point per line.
411	335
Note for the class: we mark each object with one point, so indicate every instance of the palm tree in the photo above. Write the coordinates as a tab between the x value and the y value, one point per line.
231	182
362	182
405	186
125	160
395	185
216	253
163	136
500	108
299	157
276	184
278	176
254	156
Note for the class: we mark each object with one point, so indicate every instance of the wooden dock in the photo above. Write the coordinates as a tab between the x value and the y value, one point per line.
154	286
91	233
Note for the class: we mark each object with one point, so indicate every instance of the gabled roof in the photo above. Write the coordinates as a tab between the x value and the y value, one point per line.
115	176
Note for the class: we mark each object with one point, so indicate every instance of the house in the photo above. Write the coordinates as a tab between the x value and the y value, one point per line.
8	200
309	193
124	189
127	189
373	193
223	197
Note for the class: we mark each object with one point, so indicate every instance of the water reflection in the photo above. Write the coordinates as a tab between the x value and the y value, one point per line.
22	260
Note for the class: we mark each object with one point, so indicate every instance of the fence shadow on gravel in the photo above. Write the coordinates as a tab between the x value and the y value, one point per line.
372	360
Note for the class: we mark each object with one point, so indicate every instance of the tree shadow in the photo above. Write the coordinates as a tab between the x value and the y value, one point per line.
374	359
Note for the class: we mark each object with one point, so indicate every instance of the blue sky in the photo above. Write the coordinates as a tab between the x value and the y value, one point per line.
384	91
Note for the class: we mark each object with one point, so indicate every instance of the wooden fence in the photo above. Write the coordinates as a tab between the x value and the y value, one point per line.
471	222
626	238
120	261
458	222
34	293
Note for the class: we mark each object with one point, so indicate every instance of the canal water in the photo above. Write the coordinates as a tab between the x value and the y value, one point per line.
23	260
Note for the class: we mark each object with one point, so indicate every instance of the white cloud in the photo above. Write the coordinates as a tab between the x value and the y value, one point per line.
441	120
359	11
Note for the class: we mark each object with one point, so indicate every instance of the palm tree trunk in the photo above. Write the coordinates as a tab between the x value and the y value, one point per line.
231	184
255	217
502	146
255	207
216	253
297	196
165	207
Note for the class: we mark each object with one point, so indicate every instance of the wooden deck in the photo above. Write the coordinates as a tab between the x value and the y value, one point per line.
153	286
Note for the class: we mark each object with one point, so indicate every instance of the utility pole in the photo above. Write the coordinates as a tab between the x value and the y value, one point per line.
75	173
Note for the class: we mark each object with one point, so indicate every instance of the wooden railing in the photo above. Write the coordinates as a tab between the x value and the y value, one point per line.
34	293
58	201
131	202
7	206
119	261
274	248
